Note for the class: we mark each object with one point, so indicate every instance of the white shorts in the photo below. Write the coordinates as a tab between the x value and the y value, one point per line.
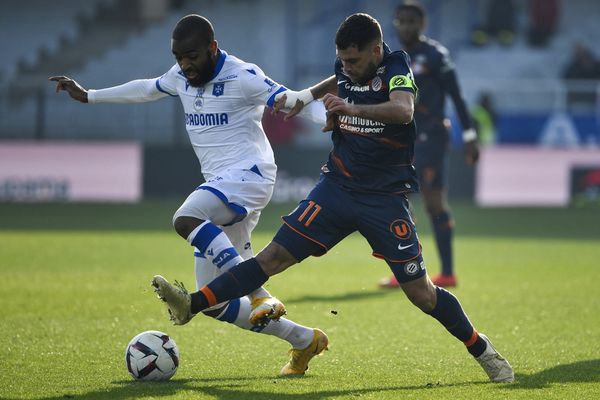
242	190
233	200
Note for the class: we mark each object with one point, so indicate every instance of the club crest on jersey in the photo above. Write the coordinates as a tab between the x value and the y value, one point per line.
411	268
419	64
198	101
376	84
401	229
218	89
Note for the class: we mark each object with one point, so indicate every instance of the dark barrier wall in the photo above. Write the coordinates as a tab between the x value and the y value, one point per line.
174	171
170	172
461	176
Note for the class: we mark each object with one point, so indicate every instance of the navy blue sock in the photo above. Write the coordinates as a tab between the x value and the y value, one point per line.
449	313
443	229
238	281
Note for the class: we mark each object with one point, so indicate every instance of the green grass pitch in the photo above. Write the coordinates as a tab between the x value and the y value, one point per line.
74	290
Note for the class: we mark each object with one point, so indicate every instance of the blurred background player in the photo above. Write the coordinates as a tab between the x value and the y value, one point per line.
435	78
484	119
582	66
223	98
500	23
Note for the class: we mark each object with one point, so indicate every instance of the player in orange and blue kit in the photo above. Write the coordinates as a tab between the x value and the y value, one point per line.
364	184
436	78
363	187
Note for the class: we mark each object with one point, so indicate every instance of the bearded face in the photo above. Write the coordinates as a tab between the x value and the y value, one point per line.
195	60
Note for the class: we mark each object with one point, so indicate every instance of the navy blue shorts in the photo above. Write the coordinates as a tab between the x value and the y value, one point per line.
431	160
330	213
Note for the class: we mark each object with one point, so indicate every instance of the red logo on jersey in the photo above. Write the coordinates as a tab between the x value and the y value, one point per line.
401	229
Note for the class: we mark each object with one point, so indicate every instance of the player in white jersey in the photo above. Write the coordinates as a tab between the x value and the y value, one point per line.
223	98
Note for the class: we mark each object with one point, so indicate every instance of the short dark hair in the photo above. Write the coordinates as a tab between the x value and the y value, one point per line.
358	30
412	6
195	26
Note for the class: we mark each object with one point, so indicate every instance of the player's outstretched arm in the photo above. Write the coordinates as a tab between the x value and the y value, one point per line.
471	145
398	110
136	91
329	85
295	101
294	107
75	90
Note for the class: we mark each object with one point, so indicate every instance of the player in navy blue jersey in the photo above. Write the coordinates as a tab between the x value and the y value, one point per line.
435	76
363	187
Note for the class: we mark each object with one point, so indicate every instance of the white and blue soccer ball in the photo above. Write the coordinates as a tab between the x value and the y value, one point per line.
152	356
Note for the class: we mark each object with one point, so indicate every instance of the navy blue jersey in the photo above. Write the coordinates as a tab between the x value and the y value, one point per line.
369	155
435	76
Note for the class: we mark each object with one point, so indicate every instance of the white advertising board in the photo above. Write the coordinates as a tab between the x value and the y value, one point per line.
70	171
529	176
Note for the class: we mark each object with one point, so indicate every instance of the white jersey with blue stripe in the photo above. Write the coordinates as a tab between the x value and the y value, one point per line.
223	117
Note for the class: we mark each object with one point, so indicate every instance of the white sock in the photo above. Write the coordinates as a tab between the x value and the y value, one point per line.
238	312
206	272
214	254
214	245
297	335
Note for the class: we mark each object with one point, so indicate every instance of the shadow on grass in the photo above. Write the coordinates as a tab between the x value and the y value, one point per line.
580	372
219	388
234	388
350	296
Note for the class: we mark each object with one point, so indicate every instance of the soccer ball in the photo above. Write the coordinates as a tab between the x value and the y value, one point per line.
152	356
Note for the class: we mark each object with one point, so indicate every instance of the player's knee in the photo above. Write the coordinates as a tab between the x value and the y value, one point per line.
431	210
274	259
434	208
185	225
434	203
430	206
424	301
421	293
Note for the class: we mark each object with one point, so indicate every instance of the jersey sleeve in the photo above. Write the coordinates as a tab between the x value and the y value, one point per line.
168	82
257	87
446	73
137	91
398	74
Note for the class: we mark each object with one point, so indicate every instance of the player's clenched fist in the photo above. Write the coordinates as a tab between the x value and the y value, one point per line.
337	105
74	89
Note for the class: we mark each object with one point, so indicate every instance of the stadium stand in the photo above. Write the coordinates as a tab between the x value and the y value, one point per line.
24	22
89	41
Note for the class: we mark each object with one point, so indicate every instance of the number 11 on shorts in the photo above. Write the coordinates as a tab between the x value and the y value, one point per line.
315	210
